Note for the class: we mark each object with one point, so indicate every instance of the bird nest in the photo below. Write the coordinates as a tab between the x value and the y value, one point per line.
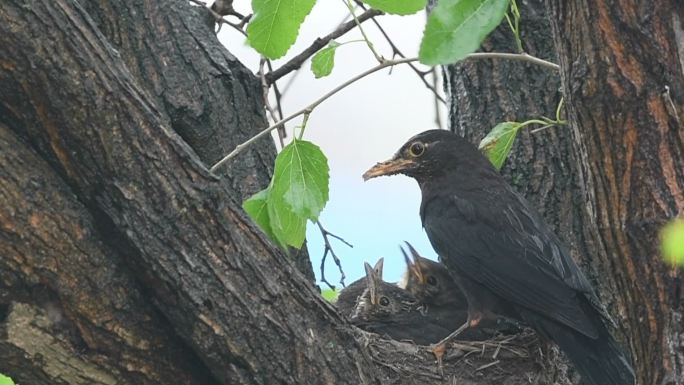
501	359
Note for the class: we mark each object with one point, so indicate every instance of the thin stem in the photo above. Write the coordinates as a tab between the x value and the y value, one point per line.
514	56
559	108
265	93
542	128
351	41
240	147
397	52
363	33
329	250
534	121
515	26
384	64
435	81
305	120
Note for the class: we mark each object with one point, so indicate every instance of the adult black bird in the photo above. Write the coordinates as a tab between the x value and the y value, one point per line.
499	250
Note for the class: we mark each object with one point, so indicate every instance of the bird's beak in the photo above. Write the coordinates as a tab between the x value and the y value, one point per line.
412	266
389	167
417	270
371	283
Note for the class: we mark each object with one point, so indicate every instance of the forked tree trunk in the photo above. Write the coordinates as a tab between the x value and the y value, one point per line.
123	260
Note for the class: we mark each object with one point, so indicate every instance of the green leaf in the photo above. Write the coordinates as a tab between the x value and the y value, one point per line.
330	295
275	25
299	190
497	144
398	7
323	62
456	28
672	237
4	380
257	208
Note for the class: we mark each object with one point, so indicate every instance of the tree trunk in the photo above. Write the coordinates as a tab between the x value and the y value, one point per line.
123	260
212	101
622	68
613	177
483	93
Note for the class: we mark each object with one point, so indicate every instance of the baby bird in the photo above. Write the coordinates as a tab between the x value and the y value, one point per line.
387	309
430	282
346	300
432	285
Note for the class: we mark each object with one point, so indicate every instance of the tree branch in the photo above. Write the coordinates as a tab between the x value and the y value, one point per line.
387	63
514	56
317	45
329	250
307	109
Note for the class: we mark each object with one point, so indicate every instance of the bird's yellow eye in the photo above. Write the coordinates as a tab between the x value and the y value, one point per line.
384	301
416	149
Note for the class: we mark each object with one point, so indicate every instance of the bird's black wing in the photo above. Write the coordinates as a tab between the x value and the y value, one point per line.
497	240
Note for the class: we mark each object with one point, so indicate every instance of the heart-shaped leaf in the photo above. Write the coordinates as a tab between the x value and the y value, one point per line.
275	25
456	28
323	62
497	144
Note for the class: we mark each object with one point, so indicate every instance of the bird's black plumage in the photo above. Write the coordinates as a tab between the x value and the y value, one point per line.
434	287
503	255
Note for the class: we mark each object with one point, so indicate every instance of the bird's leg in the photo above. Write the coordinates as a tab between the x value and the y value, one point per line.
439	348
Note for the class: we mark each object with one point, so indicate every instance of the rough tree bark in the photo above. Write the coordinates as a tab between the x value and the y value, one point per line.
623	78
123	260
613	177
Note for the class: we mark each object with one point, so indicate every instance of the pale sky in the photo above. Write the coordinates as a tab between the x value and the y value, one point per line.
361	125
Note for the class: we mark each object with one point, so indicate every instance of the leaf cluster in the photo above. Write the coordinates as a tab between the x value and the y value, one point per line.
454	28
297	193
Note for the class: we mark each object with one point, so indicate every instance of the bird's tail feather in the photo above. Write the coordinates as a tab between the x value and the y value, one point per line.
599	361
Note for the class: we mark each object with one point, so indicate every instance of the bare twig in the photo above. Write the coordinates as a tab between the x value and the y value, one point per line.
377	56
329	250
386	63
514	56
220	20
279	103
264	92
240	147
316	46
435	81
397	52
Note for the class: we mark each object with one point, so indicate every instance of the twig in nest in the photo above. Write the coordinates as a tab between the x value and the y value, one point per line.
329	250
485	366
